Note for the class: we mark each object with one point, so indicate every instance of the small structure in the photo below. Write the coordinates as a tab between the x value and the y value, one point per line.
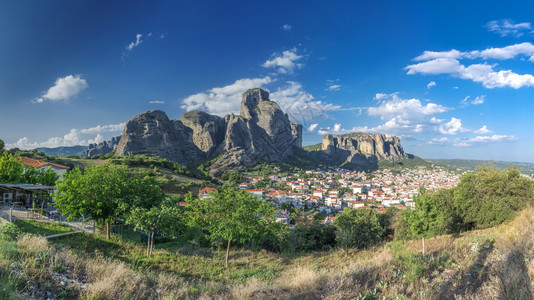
38	164
24	194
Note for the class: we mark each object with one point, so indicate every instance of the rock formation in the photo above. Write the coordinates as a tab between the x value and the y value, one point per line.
104	147
152	133
362	149
261	132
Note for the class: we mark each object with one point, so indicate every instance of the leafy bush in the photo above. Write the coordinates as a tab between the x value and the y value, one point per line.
359	228
9	231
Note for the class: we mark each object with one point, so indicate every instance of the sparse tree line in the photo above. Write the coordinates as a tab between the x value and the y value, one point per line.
233	217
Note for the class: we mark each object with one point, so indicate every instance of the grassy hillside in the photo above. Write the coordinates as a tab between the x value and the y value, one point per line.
470	165
494	263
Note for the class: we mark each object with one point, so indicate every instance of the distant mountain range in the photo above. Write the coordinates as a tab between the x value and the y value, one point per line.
471	164
63	151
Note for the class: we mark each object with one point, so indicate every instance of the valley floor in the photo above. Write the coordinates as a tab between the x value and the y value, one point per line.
496	263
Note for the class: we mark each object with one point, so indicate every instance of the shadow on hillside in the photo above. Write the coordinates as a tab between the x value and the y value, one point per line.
472	279
514	278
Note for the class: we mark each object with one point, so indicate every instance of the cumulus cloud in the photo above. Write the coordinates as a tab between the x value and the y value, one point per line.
64	88
483	140
509	28
447	62
454	126
285	62
403	117
74	137
312	127
223	100
156	102
403	109
483	130
300	105
482	73
430	84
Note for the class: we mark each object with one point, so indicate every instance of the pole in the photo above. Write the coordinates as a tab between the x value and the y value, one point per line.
423	245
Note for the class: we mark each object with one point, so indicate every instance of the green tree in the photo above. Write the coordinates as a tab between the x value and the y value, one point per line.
233	215
364	224
165	218
104	193
2	145
11	168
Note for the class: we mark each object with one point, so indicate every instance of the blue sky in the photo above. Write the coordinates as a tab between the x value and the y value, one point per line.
452	79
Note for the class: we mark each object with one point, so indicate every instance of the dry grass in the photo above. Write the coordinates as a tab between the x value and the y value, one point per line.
495	263
110	279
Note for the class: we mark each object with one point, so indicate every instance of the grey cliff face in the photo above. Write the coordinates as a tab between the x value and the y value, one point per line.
152	133
208	130
262	132
363	148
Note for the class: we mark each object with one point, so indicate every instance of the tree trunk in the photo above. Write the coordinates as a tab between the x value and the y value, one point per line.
148	243
152	242
227	252
108	231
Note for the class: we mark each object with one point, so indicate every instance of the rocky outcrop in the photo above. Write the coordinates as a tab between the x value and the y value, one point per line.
208	130
104	147
363	149
261	132
152	133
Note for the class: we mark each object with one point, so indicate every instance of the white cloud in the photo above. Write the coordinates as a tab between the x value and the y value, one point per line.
312	127
223	100
64	88
74	137
430	84
105	128
430	55
403	116
482	73
436	66
137	42
285	62
508	28
477	101
300	105
508	52
334	87
403	109
287	27
454	126
483	140
156	102
439	141
447	62
483	130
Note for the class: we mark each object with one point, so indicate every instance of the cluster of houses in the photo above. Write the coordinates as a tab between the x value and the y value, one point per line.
331	191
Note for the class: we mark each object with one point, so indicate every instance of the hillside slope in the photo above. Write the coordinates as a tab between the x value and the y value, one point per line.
495	263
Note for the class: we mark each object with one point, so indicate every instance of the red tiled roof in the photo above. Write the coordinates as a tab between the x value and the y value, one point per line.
34	163
207	190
